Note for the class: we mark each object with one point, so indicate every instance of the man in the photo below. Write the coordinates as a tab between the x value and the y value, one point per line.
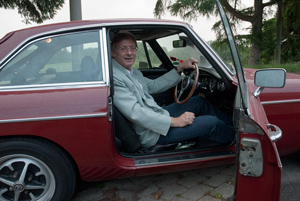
156	125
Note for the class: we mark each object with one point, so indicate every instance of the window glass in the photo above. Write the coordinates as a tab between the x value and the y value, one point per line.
141	61
179	47
59	59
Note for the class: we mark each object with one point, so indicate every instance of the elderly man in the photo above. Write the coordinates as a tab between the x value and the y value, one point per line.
162	125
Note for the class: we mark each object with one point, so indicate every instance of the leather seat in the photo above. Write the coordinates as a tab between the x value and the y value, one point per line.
127	139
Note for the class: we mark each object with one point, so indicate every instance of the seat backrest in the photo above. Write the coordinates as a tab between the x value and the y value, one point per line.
88	68
125	133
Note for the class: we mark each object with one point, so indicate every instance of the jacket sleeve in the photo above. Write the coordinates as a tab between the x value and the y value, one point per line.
132	106
163	82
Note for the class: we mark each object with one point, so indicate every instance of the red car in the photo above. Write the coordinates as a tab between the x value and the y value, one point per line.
58	122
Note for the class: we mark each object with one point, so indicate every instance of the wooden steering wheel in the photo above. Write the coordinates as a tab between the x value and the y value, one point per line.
187	81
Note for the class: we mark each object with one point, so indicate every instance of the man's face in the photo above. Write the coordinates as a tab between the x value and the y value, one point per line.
125	53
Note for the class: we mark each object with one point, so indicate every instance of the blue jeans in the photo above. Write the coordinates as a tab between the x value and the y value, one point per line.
210	123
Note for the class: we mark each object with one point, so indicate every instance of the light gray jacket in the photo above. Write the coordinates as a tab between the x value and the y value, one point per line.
132	98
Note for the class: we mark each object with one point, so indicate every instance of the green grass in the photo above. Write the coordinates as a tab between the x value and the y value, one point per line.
292	68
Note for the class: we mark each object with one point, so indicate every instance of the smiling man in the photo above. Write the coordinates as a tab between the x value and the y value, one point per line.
161	125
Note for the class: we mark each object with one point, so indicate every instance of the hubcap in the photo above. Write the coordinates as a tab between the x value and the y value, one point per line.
25	178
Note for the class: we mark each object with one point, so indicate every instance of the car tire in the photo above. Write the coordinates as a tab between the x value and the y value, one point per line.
34	169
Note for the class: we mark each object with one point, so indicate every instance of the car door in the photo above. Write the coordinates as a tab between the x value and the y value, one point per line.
258	170
55	88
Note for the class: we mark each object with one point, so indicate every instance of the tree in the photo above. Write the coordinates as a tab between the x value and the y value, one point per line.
291	31
190	9
34	10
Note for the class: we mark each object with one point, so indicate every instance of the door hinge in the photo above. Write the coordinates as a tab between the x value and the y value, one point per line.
251	158
110	108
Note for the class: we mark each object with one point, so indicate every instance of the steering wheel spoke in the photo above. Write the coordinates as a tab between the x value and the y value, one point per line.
192	78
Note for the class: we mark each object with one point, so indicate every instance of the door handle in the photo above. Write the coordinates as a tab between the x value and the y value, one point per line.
275	132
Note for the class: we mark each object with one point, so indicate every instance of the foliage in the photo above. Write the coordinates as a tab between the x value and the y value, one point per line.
222	48
291	33
190	9
289	67
34	10
269	42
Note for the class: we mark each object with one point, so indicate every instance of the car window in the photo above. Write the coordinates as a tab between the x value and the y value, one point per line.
179	47
58	59
141	61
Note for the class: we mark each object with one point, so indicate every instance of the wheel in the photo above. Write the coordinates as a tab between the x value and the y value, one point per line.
191	80
34	169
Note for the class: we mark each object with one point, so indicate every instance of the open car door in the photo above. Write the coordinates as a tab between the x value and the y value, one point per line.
258	170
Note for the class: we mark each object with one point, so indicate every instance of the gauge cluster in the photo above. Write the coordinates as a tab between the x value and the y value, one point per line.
210	84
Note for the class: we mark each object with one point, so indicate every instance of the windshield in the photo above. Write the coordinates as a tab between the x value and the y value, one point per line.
178	47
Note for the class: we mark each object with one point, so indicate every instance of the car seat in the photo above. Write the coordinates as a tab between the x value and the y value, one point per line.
88	68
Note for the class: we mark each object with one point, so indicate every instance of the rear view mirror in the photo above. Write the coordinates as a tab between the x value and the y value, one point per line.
273	78
179	43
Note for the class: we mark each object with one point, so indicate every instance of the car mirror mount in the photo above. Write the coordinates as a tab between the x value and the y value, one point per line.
272	78
258	91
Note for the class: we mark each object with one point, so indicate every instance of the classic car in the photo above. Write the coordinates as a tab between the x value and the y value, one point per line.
58	122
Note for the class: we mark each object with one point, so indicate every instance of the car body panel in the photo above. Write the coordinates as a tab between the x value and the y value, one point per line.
282	106
271	169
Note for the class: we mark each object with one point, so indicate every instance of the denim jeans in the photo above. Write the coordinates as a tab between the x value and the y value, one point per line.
210	123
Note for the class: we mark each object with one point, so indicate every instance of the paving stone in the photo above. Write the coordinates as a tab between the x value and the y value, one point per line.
197	192
226	190
119	183
144	180
191	180
127	194
172	191
216	180
209	198
151	190
166	180
229	170
90	194
196	185
208	172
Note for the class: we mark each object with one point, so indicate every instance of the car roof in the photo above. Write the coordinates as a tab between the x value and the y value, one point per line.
13	39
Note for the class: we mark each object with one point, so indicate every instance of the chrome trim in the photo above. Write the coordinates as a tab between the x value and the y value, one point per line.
70	85
280	102
276	134
53	118
104	54
145	162
257	92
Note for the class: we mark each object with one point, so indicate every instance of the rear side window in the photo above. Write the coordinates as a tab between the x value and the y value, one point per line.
58	59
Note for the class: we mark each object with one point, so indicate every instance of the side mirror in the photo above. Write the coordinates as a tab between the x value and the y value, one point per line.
273	78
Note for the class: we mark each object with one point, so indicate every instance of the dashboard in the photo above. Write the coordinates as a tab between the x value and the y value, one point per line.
209	83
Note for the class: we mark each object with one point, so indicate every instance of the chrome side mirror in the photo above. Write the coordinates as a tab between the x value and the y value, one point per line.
273	78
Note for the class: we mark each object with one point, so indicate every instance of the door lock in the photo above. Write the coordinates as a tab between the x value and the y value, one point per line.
251	158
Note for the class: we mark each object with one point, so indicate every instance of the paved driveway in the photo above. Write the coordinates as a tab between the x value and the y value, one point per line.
206	184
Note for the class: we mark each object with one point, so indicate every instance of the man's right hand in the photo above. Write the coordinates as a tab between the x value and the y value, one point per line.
183	120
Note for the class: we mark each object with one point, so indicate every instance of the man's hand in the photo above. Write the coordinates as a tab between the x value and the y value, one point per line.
189	63
183	120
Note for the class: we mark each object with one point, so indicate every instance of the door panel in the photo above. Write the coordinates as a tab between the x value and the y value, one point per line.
264	187
258	173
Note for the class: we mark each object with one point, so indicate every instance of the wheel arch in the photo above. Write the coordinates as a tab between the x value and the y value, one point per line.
32	138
